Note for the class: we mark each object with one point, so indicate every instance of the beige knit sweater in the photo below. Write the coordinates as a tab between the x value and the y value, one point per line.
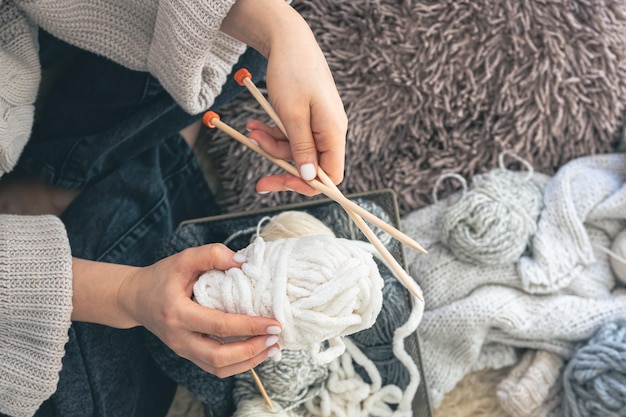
179	42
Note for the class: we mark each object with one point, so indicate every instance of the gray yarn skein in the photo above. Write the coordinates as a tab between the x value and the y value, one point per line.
288	382
494	220
594	380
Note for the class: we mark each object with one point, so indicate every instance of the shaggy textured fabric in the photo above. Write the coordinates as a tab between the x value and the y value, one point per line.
437	86
474	396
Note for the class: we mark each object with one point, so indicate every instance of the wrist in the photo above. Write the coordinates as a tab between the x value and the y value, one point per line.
259	24
97	292
126	298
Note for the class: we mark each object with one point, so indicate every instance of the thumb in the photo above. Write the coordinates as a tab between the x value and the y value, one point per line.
302	144
206	257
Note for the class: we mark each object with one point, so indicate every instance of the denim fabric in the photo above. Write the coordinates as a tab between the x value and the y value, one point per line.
114	133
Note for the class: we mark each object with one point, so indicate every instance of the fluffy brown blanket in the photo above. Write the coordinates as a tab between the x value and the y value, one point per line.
437	86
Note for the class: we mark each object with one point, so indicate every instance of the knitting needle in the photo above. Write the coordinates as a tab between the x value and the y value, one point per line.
259	384
211	119
244	78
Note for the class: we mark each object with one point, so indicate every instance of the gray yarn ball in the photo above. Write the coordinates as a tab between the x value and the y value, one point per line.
289	382
493	222
594	380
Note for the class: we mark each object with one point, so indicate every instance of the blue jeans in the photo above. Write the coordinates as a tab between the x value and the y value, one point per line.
113	133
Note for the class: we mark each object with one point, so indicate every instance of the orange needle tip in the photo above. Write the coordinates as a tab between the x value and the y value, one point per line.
241	75
208	117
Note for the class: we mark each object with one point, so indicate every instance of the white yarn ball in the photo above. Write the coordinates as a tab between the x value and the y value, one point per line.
619	248
293	224
318	287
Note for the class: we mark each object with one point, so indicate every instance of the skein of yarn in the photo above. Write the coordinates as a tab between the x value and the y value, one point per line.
292	223
594	380
318	287
289	382
494	220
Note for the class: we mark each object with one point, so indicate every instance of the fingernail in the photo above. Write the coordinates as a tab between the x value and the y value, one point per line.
274	330
288	189
239	257
263	192
272	352
271	340
254	141
307	172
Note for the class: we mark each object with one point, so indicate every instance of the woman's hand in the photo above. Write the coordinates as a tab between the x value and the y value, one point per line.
158	297
301	89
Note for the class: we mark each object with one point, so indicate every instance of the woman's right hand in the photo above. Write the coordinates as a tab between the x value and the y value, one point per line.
301	90
158	297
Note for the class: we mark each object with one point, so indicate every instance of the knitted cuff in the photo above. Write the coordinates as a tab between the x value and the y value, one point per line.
19	80
189	55
35	309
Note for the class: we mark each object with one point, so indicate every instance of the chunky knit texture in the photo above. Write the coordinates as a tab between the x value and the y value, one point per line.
19	79
35	310
179	42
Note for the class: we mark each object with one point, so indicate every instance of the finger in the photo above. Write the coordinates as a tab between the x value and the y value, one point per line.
206	257
332	160
303	147
275	147
285	182
273	131
224	360
224	325
330	129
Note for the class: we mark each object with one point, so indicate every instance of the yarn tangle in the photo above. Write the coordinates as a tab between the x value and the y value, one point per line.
318	287
594	380
494	220
298	386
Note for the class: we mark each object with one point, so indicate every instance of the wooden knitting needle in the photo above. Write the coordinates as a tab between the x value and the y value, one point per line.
244	78
259	384
211	119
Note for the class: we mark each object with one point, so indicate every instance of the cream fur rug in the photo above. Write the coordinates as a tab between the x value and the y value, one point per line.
474	396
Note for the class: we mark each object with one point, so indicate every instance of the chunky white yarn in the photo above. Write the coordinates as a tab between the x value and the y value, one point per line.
292	223
318	287
299	387
346	394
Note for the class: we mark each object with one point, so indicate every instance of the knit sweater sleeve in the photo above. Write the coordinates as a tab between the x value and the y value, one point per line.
19	79
178	41
35	310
